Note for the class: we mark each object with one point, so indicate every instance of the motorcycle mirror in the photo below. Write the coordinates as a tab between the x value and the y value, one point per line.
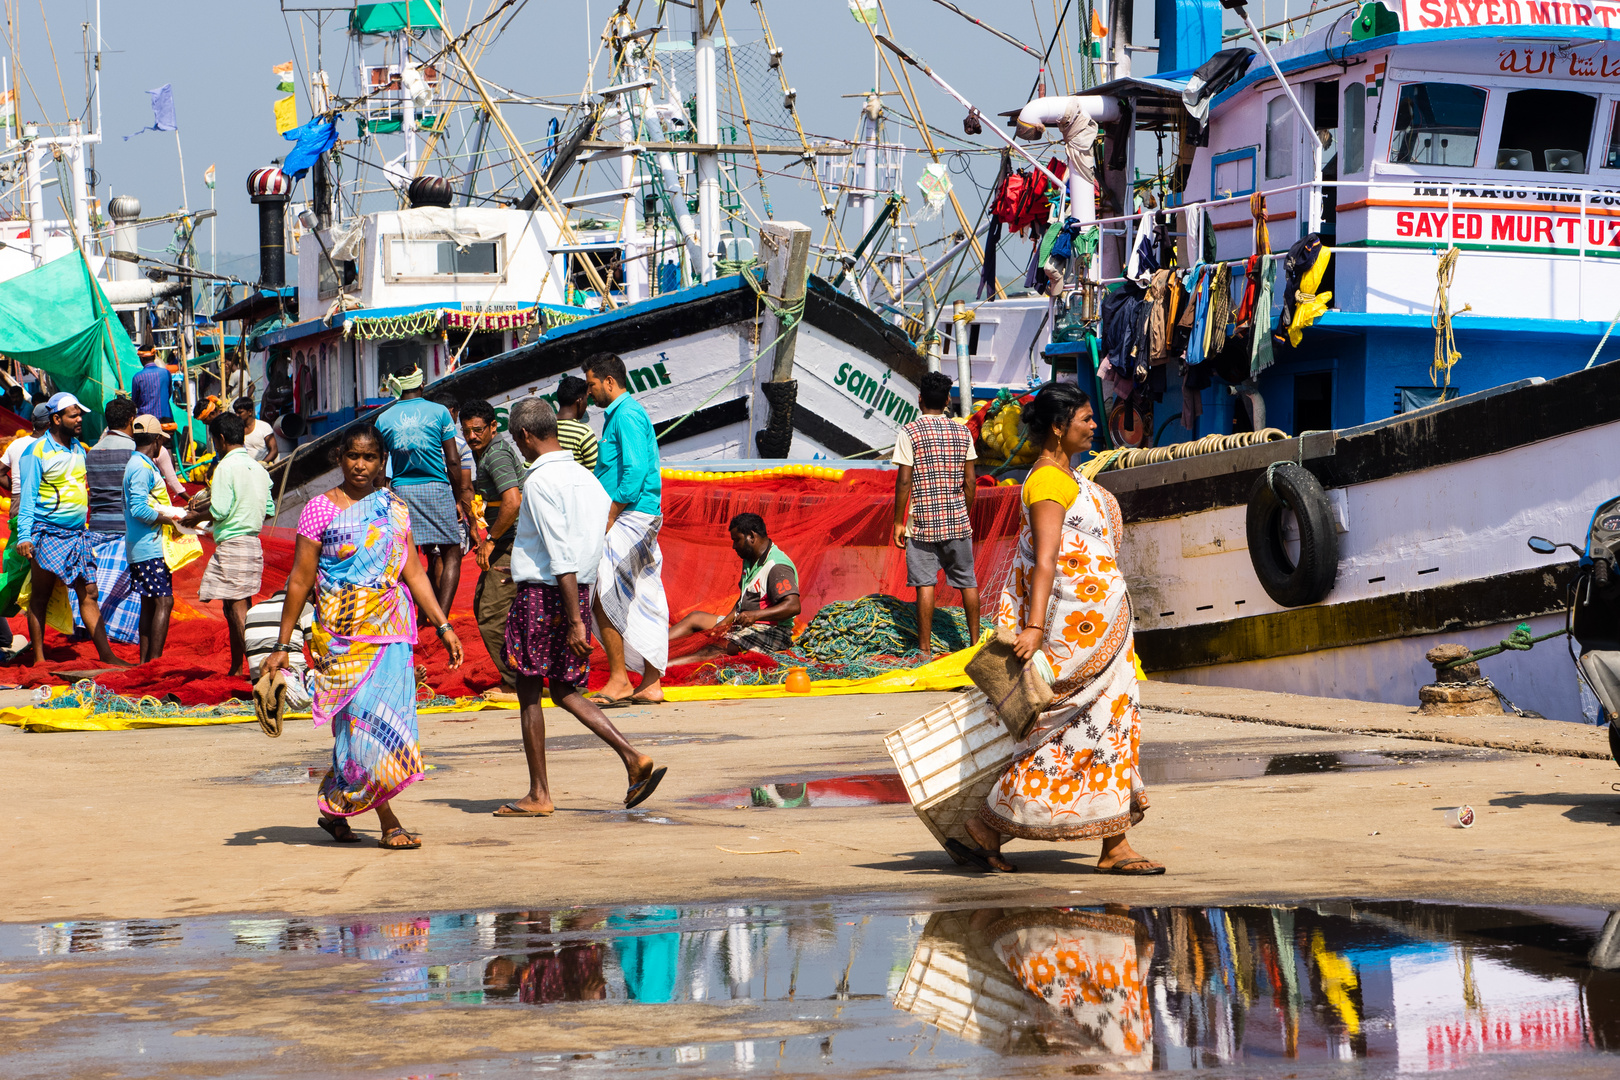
1541	545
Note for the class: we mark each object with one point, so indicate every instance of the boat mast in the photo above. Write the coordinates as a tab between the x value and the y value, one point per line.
708	133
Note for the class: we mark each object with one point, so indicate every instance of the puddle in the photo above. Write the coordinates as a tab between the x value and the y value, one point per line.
866	789
1288	990
1163	765
298	774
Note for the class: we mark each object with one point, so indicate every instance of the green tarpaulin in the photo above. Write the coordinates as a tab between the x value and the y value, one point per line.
57	319
392	18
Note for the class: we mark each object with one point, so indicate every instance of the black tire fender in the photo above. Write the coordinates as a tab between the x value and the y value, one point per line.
1292	487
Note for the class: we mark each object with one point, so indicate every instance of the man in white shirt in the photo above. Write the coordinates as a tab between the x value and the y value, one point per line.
260	437
560	532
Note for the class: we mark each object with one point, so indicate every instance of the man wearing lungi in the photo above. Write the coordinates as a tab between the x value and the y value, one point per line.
767	601
421	440
238	502
55	505
632	613
556	556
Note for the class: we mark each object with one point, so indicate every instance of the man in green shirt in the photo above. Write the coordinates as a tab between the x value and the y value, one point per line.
498	480
238	502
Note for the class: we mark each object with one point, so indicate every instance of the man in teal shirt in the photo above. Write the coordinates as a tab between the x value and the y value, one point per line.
238	502
632	613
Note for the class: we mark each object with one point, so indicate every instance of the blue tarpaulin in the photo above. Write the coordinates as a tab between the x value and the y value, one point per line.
314	139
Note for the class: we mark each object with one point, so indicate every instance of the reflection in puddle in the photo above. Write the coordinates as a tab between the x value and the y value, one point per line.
1406	987
1164	765
870	789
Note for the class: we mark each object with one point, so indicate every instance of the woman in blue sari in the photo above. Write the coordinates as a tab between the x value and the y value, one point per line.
354	549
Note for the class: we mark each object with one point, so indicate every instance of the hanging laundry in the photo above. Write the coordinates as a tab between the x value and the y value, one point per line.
1260	354
987	276
1303	269
1144	258
1195	379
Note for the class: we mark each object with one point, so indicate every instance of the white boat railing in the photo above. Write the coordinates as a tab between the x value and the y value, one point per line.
1570	200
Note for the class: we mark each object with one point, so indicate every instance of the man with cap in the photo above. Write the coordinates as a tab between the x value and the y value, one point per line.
55	505
14	565
420	436
146	507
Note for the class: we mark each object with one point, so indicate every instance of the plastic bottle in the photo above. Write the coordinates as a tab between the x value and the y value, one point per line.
41	695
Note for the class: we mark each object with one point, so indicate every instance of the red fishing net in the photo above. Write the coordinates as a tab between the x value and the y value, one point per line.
838	533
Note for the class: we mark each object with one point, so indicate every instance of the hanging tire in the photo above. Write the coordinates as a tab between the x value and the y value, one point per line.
1290	583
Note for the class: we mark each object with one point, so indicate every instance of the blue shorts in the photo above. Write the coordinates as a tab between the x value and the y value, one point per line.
151	577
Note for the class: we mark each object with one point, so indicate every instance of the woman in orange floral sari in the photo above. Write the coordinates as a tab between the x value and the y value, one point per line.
1075	776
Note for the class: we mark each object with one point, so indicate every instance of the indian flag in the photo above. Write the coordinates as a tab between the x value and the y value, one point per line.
8	109
208	177
284	74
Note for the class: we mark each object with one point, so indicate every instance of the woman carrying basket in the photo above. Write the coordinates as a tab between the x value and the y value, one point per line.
1075	776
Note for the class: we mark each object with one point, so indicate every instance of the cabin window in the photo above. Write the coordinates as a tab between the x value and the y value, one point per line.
1232	173
1279	138
1438	124
436	258
1354	121
608	262
1611	160
399	357
1546	131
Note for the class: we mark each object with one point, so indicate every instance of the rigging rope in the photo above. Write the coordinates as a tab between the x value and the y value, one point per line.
1445	344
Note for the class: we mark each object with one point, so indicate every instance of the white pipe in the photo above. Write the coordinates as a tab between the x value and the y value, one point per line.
1076	118
79	193
964	363
1315	204
35	196
869	171
708	133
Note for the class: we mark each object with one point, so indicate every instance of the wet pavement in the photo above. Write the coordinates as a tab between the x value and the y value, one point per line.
880	986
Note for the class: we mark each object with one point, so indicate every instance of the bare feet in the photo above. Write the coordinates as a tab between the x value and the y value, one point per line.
989	842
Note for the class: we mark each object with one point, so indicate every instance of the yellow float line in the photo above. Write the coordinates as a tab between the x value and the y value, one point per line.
810	472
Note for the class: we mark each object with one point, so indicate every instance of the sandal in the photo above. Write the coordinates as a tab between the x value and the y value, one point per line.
640	793
1121	868
339	830
411	840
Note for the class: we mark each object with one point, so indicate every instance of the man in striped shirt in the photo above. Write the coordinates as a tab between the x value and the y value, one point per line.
573	432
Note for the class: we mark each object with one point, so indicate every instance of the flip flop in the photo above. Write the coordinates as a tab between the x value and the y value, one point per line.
632	699
642	791
512	809
1121	868
330	826
608	702
415	841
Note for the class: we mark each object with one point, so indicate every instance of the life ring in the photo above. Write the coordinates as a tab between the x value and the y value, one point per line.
1282	487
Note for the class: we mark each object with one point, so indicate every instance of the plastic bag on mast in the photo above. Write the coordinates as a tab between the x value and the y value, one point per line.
865	11
1076	119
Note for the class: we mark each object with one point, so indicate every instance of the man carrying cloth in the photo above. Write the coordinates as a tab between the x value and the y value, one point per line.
238	502
548	634
498	480
935	455
55	505
762	621
421	442
632	613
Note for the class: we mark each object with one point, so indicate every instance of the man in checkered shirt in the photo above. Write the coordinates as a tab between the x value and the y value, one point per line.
935	455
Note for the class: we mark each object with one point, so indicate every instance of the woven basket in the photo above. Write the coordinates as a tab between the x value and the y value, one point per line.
949	759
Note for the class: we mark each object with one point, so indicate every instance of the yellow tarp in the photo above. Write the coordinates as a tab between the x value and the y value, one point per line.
946	673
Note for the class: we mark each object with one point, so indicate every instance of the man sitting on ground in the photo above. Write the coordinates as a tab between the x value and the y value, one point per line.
762	621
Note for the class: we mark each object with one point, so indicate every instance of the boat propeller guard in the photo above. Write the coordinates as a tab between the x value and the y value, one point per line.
1286	486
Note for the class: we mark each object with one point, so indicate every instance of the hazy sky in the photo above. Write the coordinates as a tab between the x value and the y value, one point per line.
218	57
